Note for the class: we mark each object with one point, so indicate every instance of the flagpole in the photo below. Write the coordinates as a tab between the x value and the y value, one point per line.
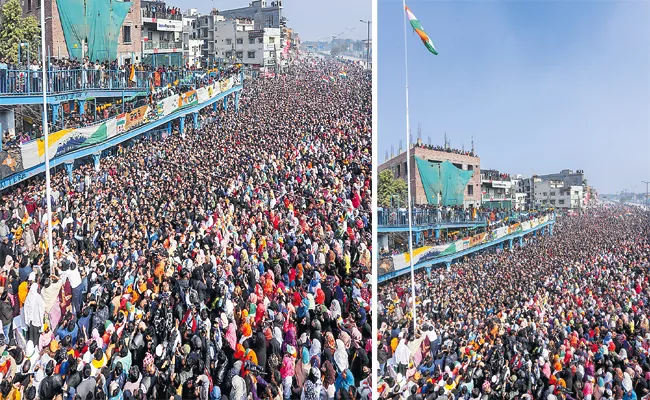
48	189
408	175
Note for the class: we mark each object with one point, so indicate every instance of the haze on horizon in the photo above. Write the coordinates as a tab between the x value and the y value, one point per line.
312	20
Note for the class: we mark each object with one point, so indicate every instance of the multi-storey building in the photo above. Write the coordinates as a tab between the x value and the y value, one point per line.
466	161
162	34
75	44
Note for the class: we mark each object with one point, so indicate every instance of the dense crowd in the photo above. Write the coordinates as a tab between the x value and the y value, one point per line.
70	115
446	149
67	74
563	317
234	263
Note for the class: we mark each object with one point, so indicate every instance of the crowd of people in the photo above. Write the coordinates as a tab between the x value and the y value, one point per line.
70	115
68	74
563	317
446	149
232	263
153	10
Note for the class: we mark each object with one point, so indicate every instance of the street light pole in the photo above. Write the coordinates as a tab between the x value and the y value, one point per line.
367	44
48	189
647	199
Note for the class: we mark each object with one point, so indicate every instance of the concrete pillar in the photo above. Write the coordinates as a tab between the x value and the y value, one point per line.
82	107
418	237
550	230
182	126
68	167
521	241
510	243
534	233
237	101
225	103
196	119
437	233
215	107
429	271
96	158
169	127
448	265
501	245
55	113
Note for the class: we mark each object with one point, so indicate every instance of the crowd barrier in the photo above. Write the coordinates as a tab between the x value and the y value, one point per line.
428	253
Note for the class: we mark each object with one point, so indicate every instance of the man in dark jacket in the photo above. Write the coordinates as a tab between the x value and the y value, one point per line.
6	312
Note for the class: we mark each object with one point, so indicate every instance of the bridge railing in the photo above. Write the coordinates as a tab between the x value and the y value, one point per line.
30	82
399	218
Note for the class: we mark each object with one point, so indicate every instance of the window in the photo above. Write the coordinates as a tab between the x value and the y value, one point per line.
553	202
260	40
29	5
229	54
240	41
552	193
271	39
149	35
240	54
228	41
251	54
577	192
126	34
251	40
544	194
561	201
470	189
398	171
470	167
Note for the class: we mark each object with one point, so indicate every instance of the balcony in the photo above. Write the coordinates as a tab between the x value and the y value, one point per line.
162	47
495	197
150	16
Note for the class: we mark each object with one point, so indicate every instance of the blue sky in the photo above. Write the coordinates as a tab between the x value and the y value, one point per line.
541	85
313	20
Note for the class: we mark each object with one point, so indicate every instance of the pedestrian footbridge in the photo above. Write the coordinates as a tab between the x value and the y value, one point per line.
427	257
67	145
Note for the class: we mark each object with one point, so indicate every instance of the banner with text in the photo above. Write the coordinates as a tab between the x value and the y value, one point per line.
428	253
32	153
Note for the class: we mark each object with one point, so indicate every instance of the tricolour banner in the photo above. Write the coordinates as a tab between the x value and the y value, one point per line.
427	253
32	153
67	140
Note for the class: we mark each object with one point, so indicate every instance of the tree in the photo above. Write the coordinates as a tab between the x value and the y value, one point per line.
335	51
15	30
389	187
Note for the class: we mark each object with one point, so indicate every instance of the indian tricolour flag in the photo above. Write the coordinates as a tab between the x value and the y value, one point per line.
343	74
417	27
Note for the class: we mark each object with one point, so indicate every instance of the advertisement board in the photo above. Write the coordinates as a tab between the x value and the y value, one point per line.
169	25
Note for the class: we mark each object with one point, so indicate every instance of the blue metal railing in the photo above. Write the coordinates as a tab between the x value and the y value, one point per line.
399	217
29	82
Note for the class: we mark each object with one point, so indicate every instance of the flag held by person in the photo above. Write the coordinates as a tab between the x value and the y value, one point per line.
417	27
132	74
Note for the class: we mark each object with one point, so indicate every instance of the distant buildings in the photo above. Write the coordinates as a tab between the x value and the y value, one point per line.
158	33
563	190
238	41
